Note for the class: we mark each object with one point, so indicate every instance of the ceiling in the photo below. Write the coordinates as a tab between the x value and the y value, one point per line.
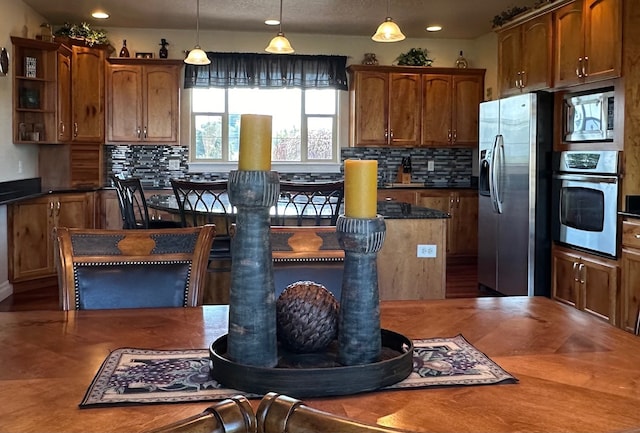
460	19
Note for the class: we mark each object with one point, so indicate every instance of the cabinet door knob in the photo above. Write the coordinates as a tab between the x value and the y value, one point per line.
51	206
75	129
138	131
637	235
575	272
522	80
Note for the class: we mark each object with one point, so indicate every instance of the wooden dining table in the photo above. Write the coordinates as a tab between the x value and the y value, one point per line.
575	372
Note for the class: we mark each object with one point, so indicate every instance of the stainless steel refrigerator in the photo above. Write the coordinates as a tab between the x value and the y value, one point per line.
514	186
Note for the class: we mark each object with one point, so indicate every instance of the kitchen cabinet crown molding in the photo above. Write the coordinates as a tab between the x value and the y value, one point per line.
414	69
138	61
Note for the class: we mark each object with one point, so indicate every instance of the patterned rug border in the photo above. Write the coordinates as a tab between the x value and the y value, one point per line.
438	362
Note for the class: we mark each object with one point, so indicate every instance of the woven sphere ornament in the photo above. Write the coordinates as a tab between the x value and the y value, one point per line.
306	317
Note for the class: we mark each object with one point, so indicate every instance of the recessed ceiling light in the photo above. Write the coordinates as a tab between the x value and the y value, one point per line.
100	15
434	28
272	22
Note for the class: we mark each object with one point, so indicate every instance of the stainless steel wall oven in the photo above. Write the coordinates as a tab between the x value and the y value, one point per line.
585	201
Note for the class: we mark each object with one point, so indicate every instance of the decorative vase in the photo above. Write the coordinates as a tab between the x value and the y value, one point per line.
124	51
164	53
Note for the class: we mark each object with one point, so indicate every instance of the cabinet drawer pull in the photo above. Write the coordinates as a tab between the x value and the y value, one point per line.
581	273
575	272
637	236
584	66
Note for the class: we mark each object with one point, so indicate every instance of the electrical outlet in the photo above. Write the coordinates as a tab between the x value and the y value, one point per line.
427	251
174	164
431	165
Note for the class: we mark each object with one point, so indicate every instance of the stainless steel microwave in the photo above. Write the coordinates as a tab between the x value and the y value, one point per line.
589	116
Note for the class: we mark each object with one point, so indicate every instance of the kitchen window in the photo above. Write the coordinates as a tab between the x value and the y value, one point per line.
304	126
300	92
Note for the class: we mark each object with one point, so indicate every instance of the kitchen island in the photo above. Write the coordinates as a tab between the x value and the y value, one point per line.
401	273
412	262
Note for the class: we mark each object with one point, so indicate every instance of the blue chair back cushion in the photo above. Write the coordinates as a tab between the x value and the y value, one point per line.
122	285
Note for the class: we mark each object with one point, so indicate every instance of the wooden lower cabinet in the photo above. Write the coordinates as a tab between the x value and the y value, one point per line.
462	206
630	281
402	195
585	281
31	224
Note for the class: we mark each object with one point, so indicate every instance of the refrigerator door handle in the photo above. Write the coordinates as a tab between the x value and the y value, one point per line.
494	183
492	193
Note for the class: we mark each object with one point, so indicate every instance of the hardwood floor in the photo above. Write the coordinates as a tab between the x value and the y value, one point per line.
462	282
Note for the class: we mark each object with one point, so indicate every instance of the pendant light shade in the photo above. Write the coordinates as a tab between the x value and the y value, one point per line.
197	56
388	31
279	44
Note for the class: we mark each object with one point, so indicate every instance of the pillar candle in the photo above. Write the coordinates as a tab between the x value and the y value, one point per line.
255	143
360	188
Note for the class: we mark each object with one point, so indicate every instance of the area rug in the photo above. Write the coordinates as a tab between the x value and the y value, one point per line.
139	376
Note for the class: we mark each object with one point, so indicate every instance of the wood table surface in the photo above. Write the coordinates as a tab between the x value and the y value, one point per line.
576	373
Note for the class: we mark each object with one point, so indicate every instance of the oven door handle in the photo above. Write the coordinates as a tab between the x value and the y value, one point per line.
587	178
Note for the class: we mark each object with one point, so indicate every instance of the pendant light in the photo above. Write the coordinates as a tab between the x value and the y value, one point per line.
388	31
280	44
197	56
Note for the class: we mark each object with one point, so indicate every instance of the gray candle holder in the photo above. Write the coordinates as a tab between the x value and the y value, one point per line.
252	305
359	340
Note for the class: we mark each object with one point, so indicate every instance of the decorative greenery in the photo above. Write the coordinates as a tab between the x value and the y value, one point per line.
84	32
414	57
507	15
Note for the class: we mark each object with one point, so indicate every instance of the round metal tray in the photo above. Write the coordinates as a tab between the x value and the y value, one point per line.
316	374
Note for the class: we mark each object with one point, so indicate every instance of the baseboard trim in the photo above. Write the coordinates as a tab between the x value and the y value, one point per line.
6	290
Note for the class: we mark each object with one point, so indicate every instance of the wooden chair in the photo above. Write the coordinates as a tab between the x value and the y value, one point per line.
133	205
206	203
307	253
309	203
103	269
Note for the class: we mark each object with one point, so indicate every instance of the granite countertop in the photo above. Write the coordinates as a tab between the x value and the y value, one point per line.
391	209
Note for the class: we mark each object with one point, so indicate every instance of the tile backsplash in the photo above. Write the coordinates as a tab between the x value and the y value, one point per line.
156	164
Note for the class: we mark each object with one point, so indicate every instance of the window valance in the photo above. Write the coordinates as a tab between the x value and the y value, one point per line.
268	70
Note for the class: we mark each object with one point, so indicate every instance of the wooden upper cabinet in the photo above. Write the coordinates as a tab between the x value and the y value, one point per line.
525	56
450	108
603	39
510	60
87	93
467	95
437	103
414	106
588	43
404	109
64	127
143	101
386	108
370	104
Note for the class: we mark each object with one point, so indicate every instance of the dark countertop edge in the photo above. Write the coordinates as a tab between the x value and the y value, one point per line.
472	188
631	214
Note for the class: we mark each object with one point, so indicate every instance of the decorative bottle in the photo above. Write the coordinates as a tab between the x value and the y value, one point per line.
164	53
461	62
124	51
